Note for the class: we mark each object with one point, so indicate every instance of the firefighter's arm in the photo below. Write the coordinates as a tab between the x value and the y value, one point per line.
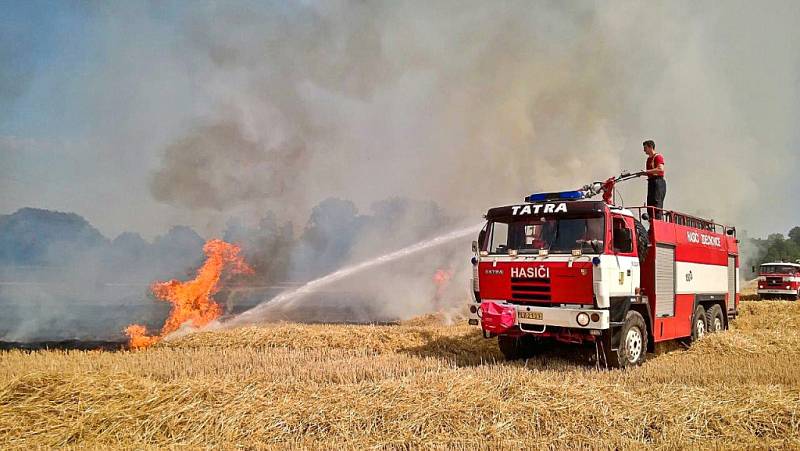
658	170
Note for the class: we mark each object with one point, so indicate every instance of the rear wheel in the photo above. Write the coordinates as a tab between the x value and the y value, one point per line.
515	348
699	326
632	348
715	322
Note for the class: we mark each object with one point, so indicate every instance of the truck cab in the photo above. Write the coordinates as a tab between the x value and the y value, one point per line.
576	270
779	280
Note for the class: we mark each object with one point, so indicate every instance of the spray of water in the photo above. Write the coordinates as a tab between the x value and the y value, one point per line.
287	298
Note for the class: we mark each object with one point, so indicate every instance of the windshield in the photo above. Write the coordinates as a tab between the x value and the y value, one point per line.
778	269
558	236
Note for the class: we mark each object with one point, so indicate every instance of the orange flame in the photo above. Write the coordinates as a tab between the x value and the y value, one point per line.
192	301
442	277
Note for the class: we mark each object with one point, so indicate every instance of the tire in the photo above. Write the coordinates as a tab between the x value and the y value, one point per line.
632	349
715	320
515	348
699	325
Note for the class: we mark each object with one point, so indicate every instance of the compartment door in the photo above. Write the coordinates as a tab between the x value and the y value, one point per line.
665	280
732	282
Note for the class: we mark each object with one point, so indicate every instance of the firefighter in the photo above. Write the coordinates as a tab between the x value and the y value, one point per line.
654	169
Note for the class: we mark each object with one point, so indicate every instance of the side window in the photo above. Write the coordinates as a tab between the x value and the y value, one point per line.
499	238
622	236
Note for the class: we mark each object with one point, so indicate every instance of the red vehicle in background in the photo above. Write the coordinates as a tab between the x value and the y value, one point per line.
561	267
779	280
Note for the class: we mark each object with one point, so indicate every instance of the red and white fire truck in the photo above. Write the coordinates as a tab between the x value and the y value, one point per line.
563	267
779	280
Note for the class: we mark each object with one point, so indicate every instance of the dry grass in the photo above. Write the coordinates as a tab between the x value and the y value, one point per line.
412	385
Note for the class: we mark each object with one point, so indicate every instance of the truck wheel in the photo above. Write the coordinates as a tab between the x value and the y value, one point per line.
632	349
715	322
515	348
699	326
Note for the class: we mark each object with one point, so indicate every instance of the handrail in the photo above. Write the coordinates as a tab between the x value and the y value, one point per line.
684	219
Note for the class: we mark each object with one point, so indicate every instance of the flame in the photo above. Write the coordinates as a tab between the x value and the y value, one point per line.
442	279
442	276
192	301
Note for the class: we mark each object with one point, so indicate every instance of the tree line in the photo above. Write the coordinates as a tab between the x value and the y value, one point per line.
774	248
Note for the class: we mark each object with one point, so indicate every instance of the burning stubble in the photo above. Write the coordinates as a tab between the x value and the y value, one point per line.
192	302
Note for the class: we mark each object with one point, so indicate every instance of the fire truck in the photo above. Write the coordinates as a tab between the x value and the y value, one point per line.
564	267
779	280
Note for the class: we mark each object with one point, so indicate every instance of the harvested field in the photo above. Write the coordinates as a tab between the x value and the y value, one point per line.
402	386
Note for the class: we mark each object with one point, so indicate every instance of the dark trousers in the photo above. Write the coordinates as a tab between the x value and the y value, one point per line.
656	191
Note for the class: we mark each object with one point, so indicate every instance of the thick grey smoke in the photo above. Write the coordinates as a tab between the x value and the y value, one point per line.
472	104
195	112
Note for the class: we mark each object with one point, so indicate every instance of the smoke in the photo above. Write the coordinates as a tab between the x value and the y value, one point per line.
473	105
194	114
204	112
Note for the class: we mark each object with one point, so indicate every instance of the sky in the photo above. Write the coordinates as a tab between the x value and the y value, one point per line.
141	115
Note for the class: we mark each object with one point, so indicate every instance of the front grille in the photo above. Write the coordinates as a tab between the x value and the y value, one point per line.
534	289
526	280
775	280
529	291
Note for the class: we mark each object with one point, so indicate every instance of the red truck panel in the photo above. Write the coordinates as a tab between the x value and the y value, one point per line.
564	286
692	245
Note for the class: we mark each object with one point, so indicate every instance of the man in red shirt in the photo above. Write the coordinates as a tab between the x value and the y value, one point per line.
654	169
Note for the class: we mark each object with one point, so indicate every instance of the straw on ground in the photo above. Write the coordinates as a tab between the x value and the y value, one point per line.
404	386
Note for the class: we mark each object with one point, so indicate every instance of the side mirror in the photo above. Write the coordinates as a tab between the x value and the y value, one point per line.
474	246
645	216
730	232
753	269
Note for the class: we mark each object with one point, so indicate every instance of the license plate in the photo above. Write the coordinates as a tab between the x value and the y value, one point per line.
531	315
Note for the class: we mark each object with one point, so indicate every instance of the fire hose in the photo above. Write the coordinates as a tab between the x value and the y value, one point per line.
607	187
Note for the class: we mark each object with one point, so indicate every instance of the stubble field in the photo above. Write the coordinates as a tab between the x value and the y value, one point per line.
418	384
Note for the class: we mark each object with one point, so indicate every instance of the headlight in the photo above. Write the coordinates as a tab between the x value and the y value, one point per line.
582	319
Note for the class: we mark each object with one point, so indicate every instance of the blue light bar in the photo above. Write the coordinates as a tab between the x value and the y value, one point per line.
563	195
574	195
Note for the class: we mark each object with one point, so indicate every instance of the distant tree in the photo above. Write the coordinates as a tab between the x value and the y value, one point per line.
794	235
777	248
33	236
329	235
178	253
267	247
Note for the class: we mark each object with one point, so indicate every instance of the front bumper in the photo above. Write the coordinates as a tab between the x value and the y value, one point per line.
555	316
564	317
776	291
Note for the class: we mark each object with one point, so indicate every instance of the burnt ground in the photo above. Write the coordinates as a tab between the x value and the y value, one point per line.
64	345
81	324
